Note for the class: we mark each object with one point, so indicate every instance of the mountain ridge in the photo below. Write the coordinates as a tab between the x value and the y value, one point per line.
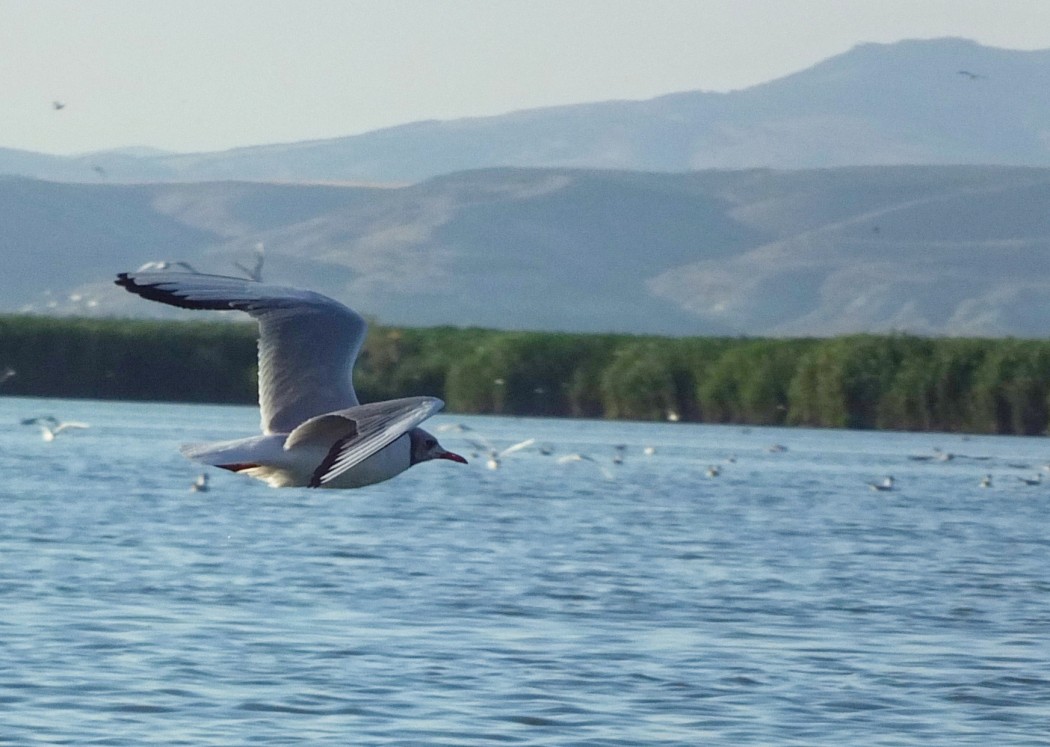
876	104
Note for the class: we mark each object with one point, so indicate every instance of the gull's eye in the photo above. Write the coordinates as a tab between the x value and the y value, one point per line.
430	443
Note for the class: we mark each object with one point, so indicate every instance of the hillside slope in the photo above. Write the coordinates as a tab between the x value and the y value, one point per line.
937	250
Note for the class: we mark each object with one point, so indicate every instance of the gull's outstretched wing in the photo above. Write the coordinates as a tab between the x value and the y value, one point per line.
69	424
307	342
518	447
356	433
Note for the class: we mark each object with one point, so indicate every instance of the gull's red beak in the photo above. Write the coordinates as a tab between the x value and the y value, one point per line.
452	457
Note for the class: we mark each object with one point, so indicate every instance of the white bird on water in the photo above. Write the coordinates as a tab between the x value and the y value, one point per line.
315	433
50	426
886	484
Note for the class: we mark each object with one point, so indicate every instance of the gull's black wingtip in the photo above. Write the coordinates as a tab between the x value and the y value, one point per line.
149	291
128	283
164	290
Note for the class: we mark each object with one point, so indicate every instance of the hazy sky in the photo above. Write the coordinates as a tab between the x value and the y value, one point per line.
191	75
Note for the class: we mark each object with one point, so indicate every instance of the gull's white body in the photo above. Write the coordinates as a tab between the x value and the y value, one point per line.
315	433
287	468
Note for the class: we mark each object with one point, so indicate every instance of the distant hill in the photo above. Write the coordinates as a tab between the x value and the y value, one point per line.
957	250
940	101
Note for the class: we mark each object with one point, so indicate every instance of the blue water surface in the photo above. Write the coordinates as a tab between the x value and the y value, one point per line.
781	602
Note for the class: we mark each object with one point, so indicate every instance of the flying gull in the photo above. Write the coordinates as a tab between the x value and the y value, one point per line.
315	433
50	426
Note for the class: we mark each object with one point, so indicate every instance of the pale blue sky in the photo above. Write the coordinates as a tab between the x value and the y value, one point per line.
195	75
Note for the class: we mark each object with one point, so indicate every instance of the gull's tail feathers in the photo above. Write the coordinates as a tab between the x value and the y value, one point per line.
261	457
258	456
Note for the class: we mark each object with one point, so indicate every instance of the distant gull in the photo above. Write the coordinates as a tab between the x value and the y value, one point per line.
713	471
970	75
454	428
886	484
200	485
578	458
315	433
255	273
938	455
58	105
482	445
1031	480
495	460
50	426
163	264
986	482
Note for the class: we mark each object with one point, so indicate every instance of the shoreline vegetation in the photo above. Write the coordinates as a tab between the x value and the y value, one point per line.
893	382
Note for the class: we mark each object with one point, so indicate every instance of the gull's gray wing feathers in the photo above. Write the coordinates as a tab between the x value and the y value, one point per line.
42	420
307	342
356	433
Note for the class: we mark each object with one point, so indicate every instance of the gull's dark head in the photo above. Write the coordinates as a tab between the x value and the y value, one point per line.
425	447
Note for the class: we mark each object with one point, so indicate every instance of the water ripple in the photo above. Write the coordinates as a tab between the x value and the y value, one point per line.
783	603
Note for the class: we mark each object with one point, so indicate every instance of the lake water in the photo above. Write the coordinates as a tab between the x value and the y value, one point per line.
782	602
